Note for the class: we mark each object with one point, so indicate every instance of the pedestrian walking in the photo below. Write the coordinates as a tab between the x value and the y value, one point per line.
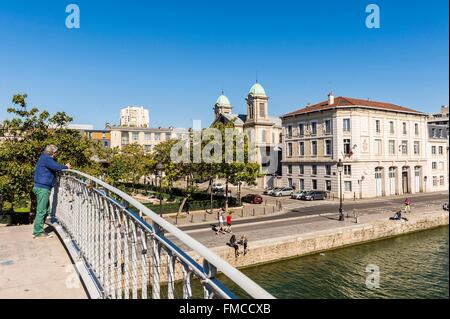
407	205
221	222
44	180
228	228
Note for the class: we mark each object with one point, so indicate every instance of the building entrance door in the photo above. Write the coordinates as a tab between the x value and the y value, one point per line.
392	183
417	179
405	180
378	181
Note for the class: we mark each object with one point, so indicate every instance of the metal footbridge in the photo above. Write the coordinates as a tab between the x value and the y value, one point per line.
119	254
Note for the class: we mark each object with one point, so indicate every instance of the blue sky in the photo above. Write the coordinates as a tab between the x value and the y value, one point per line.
175	57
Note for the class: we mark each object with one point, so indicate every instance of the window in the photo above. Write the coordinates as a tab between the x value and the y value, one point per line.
434	165
416	129
263	136
441	150
328	170
289	169
435	181
378	126
313	128
328	185
301	169
302	184
405	147
103	135
377	147
147	136
404	128
327	147
314	148
268	149
327	126
290	182
416	148
289	153
442	180
262	110
124	138
302	148
157	136
440	133
147	148
433	132
347	170
301	129
135	136
314	170
289	131
346	125
391	127
348	186
391	147
433	150
347	146
314	184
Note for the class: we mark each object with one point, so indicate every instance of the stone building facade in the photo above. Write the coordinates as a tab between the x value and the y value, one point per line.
382	146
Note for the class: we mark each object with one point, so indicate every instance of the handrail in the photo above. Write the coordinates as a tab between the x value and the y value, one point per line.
248	285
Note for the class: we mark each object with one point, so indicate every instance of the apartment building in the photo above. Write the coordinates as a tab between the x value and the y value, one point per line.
438	154
134	116
382	146
147	137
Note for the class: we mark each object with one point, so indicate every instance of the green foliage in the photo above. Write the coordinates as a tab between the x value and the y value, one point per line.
24	137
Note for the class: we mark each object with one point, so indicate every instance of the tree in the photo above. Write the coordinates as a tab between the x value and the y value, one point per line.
25	136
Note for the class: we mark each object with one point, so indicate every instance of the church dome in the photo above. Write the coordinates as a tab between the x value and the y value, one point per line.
257	89
223	100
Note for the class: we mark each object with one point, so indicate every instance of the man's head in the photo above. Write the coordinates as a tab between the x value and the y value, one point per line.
50	150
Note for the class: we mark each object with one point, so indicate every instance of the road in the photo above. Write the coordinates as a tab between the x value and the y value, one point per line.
391	204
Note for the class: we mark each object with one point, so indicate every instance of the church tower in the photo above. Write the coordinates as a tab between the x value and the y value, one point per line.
257	105
222	105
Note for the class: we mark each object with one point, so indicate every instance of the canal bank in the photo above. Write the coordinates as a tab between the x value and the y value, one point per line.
327	234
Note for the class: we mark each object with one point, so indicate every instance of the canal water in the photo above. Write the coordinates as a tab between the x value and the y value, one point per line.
410	266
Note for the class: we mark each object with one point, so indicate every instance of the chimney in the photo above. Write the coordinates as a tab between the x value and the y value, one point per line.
330	98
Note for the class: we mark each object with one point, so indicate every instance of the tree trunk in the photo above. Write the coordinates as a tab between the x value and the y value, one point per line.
239	193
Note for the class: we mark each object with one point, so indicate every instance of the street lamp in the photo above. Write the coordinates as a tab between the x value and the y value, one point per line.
159	171
340	167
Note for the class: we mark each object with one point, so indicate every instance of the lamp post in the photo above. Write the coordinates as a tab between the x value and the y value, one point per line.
340	167
159	171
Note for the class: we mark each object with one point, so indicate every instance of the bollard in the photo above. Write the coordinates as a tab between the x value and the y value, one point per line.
264	210
242	212
273	209
253	212
192	218
204	216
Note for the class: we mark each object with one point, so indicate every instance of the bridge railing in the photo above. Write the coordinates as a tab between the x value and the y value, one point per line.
121	255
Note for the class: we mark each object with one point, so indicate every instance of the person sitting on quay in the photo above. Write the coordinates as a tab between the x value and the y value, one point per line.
397	216
232	243
44	180
445	207
244	242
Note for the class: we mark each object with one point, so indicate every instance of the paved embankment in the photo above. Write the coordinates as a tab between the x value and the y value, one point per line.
302	236
35	268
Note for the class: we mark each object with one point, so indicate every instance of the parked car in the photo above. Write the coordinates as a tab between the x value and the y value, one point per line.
298	195
268	190
285	191
252	199
217	187
315	195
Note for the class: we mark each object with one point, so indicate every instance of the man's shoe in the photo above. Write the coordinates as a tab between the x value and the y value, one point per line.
43	236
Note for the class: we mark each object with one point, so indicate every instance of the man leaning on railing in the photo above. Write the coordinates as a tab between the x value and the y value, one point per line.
44	180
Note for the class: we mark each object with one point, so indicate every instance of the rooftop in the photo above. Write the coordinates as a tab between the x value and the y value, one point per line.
344	102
